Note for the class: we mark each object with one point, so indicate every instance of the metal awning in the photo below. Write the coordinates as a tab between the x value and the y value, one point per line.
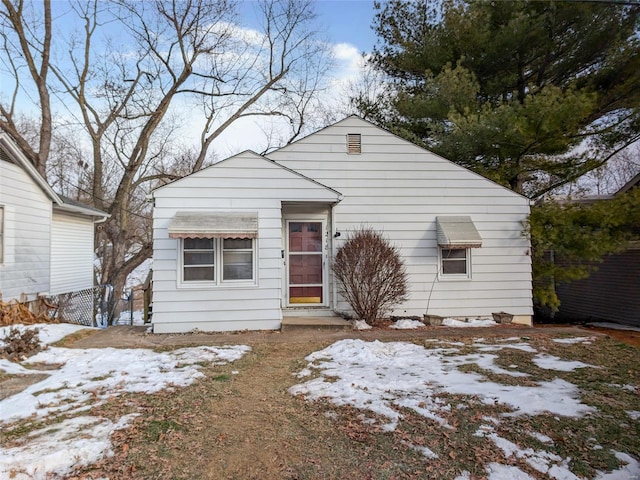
214	225
457	232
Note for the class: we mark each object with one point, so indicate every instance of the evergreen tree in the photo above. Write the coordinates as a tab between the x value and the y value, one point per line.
532	94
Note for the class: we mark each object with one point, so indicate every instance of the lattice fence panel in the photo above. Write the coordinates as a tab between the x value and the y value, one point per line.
83	307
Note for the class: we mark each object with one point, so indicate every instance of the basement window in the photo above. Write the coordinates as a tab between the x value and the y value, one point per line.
354	144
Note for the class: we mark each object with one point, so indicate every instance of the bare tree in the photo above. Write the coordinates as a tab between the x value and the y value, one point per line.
612	176
128	72
32	44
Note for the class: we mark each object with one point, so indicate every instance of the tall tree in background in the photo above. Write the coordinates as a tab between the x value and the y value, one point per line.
532	94
122	74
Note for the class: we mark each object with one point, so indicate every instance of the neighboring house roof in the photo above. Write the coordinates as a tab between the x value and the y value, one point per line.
633	183
60	202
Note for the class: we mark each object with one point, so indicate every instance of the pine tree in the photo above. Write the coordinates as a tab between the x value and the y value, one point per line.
532	94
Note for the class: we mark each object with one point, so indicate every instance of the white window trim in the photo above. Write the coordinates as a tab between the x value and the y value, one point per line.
218	282
454	276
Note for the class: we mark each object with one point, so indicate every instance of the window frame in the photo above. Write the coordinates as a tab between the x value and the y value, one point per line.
237	250
218	266
454	276
214	265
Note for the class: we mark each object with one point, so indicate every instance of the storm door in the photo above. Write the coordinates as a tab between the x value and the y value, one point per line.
306	264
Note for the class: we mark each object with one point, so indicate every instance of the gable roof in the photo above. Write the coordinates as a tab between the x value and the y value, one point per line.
368	123
60	202
252	154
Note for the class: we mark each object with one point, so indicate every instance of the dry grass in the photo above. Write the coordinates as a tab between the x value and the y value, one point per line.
246	425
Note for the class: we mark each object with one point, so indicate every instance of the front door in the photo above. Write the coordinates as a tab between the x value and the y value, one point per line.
306	263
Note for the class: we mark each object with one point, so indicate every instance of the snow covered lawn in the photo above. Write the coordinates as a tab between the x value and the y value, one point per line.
563	408
453	387
61	433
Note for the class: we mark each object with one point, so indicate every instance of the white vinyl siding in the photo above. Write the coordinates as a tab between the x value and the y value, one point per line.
400	189
27	225
244	183
71	253
1	234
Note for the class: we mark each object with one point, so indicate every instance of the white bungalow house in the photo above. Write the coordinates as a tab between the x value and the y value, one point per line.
250	239
46	240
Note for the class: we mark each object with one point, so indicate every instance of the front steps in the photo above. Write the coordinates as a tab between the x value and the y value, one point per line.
330	323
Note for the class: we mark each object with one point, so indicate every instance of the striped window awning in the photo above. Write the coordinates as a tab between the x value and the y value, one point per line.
457	232
214	225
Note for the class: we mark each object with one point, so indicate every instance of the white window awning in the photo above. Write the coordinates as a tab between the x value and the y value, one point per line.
457	232
214	225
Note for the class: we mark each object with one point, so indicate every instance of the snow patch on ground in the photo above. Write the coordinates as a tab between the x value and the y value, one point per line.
380	377
573	340
96	374
551	362
78	380
407	324
361	325
506	472
478	322
55	450
48	333
129	318
629	471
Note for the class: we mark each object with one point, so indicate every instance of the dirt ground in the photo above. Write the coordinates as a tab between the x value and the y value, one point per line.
136	336
240	422
248	425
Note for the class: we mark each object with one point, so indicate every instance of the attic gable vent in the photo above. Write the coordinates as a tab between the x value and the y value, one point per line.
4	156
354	143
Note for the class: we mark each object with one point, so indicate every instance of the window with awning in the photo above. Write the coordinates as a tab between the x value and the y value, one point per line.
457	232
214	225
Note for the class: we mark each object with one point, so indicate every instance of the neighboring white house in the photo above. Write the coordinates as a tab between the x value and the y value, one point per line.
46	240
241	243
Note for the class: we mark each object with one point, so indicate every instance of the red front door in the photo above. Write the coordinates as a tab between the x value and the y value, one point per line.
306	277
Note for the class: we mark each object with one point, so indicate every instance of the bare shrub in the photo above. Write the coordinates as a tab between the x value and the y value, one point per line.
371	275
18	345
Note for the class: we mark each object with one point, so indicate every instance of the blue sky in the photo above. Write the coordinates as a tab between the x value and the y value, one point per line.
342	21
348	21
344	24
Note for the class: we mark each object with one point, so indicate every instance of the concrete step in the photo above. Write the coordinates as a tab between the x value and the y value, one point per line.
315	323
308	312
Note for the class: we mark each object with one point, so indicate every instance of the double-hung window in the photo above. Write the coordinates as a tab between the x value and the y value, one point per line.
218	261
454	262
